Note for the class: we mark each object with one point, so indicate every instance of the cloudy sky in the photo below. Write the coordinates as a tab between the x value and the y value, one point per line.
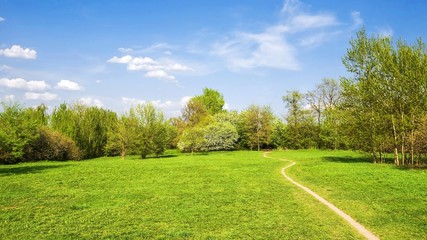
121	52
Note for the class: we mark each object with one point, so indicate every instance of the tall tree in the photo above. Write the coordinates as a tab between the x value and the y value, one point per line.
153	130
201	106
212	100
18	130
388	91
323	101
257	126
300	123
122	136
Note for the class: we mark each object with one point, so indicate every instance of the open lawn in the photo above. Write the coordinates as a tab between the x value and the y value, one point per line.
390	201
231	195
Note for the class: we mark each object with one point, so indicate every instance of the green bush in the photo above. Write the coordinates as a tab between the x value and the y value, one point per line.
52	145
17	131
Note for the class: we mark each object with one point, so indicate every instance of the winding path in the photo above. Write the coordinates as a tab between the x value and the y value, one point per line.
361	229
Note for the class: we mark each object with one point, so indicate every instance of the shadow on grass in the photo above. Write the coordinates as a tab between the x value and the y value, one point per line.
162	156
27	169
347	159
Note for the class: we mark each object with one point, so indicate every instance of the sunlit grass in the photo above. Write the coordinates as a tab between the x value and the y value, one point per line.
390	201
232	195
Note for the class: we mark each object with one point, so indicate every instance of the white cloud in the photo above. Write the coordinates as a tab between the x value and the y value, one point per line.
357	20
17	51
125	50
156	103
313	21
154	69
41	96
2	19
385	31
226	106
23	84
160	74
132	101
277	45
9	98
90	101
178	67
124	59
157	47
170	108
184	101
5	68
251	50
68	85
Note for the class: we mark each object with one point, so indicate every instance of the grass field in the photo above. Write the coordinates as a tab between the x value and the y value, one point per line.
233	195
390	201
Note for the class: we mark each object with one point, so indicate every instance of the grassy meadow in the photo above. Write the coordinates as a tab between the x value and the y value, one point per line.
388	200
223	195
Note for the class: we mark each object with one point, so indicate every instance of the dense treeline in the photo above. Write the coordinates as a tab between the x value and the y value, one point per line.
381	109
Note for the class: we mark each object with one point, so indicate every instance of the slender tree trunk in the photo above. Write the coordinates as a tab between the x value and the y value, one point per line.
412	146
396	153
403	152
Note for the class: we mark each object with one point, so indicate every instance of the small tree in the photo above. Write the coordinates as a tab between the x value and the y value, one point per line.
153	130
220	136
18	130
257	126
122	136
192	140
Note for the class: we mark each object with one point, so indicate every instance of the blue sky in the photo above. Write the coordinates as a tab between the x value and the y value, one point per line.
117	53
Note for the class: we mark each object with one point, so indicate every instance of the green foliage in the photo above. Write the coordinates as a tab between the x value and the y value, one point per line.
122	136
212	100
87	126
192	140
154	132
18	130
301	131
257	126
279	137
389	90
200	107
51	145
220	136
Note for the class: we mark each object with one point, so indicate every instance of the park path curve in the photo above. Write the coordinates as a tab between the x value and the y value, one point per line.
359	227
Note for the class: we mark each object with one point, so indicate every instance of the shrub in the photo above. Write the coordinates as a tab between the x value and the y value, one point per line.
52	145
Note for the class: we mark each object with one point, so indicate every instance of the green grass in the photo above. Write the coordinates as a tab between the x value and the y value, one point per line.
390	201
233	195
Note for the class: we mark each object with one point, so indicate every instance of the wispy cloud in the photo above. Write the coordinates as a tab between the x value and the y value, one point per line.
17	51
2	19
125	50
386	31
278	45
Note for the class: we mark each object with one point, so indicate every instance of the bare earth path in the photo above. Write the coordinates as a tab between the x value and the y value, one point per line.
361	229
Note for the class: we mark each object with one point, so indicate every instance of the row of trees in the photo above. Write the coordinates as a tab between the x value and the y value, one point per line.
380	109
387	96
81	132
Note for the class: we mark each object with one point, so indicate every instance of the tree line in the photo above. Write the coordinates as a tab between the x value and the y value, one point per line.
380	109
